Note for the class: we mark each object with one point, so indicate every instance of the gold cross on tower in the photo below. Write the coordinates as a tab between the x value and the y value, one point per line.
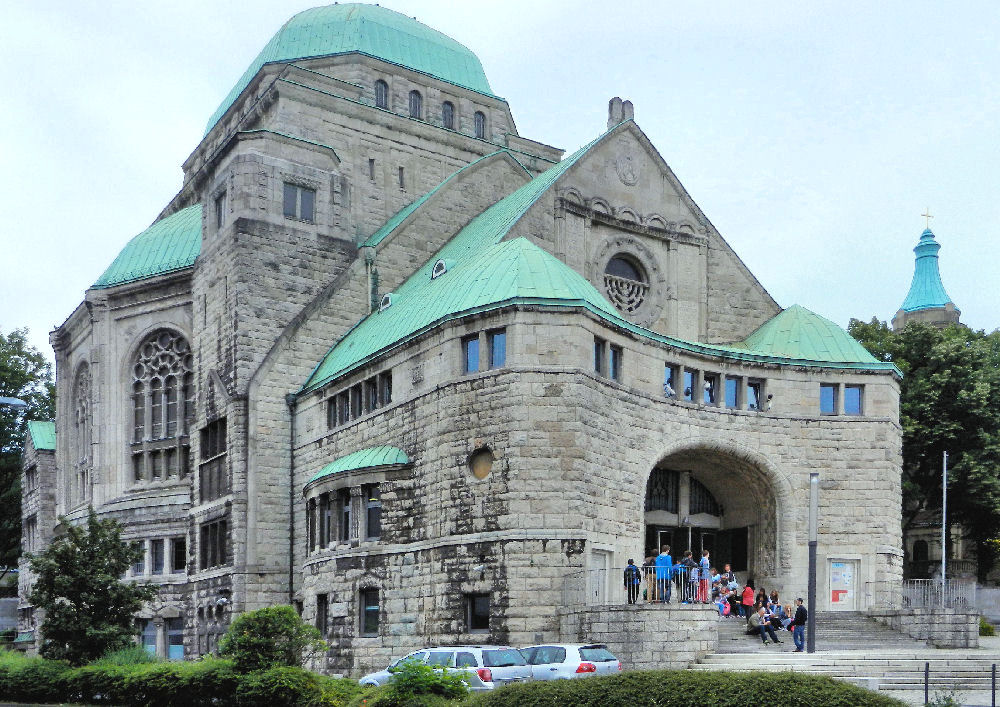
927	216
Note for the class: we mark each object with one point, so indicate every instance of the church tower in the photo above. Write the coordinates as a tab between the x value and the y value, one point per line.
927	300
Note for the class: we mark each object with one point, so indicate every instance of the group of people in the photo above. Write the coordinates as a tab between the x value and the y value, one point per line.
700	582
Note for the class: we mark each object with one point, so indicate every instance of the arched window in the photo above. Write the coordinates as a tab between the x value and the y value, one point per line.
416	104
702	500
662	490
82	434
381	94
448	115
480	125
625	283
162	391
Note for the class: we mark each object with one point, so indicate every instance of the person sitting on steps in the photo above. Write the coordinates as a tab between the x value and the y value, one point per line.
760	624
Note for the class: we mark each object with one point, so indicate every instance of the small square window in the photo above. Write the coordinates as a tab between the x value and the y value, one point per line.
369	612
828	399
498	348
853	400
299	202
615	363
599	345
732	392
470	354
477	613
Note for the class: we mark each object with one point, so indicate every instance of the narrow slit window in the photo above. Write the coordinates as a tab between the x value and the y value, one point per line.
615	359
498	348
470	354
599	367
381	94
448	115
416	105
689	379
732	392
402	178
480	125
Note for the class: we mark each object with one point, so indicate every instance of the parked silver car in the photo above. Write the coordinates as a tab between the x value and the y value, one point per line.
487	666
567	661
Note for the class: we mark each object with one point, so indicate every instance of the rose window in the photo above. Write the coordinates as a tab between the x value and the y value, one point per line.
625	283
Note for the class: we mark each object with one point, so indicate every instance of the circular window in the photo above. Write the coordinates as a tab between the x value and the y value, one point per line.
481	463
626	283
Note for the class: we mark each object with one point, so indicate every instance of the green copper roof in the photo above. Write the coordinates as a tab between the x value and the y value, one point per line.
363	459
926	289
393	223
473	280
365	29
169	244
43	434
25	637
797	333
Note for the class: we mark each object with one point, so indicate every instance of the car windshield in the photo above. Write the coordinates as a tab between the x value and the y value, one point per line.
502	658
597	654
412	658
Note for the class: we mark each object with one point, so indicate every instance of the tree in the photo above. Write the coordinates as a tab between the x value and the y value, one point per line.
89	610
24	374
269	637
949	401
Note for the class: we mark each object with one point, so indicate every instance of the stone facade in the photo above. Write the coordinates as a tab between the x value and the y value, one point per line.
519	476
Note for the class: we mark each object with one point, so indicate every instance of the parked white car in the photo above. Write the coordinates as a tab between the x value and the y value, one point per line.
487	666
568	661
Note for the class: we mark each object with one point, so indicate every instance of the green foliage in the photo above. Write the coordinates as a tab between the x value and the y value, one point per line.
270	637
949	401
385	697
945	699
279	687
24	374
682	688
337	692
986	628
88	608
31	679
131	655
413	678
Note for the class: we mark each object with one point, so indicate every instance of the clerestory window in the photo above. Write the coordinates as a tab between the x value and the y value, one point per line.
162	408
480	125
448	115
381	94
416	105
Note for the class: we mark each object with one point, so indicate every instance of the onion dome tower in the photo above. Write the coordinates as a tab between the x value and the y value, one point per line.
927	300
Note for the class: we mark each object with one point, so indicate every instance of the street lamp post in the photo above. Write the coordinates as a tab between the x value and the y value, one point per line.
813	539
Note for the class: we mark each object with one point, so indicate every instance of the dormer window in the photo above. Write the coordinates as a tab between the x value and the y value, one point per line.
386	302
448	115
440	268
416	105
381	94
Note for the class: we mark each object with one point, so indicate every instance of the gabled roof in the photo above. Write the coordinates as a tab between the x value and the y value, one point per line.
419	301
393	223
43	434
172	243
370	30
926	289
364	459
798	333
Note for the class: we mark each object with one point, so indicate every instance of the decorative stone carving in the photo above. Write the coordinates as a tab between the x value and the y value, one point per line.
627	166
638	294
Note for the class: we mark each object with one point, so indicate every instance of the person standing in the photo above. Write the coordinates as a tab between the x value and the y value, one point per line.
633	577
704	577
798	625
664	567
747	605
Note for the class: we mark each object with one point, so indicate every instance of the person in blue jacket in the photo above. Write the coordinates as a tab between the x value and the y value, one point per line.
664	568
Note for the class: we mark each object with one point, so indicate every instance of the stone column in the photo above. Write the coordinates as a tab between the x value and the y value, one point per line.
161	636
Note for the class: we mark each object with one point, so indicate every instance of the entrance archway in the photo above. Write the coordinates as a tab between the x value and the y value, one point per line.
721	498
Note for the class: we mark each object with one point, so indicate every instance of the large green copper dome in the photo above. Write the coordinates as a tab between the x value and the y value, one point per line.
371	30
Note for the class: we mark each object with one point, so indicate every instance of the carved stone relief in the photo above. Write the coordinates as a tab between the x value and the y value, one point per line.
639	295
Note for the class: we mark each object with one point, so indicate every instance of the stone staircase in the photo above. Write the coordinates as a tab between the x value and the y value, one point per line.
852	647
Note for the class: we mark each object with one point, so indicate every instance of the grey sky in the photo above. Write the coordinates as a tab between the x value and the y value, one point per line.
813	135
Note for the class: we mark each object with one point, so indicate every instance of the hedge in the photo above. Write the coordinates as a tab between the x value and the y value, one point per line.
681	688
209	681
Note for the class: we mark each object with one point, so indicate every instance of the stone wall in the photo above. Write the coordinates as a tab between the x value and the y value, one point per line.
942	628
645	636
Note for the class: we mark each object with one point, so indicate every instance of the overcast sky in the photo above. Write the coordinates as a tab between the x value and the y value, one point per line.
812	134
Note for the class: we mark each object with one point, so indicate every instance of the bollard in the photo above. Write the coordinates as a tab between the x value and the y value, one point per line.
927	682
993	683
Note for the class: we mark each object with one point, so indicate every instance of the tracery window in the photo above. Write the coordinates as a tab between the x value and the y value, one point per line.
626	283
381	94
162	407
82	434
448	115
416	104
662	490
702	500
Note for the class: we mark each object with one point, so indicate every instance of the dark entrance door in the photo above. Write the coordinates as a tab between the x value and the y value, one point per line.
731	548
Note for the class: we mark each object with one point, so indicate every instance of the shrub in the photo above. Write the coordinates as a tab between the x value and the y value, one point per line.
279	687
271	637
679	688
417	685
986	628
385	696
338	692
31	679
133	655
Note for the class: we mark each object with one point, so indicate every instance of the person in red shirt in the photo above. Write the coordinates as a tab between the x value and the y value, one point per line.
747	605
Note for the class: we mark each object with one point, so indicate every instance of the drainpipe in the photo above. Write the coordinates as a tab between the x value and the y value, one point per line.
290	401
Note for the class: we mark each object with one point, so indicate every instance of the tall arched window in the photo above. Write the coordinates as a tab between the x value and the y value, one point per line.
480	125
162	392
381	94
416	104
448	115
82	434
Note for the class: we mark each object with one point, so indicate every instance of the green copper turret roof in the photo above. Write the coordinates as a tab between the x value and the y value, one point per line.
370	30
43	434
798	333
926	289
364	459
169	244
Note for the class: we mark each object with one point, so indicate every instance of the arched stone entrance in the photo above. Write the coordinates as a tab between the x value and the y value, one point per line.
721	497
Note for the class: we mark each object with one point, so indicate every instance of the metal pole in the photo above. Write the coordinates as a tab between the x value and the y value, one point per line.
993	681
944	524
927	681
813	539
